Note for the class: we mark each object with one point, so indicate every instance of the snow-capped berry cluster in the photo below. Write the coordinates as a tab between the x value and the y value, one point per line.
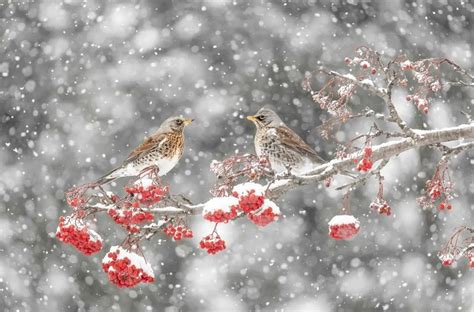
75	202
381	206
178	232
251	196
365	163
407	65
426	73
73	231
268	213
130	218
126	269
420	102
446	259
461	243
212	244
439	187
343	227
147	191
221	209
247	199
252	202
365	60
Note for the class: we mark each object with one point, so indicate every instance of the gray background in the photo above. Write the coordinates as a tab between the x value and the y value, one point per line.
82	82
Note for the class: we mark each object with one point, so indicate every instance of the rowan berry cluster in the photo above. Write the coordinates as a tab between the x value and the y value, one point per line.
221	209
147	193
126	269
439	187
73	231
252	202
362	63
265	217
459	244
343	227
178	232
381	206
130	218
212	243
446	259
426	73
365	163
420	102
75	202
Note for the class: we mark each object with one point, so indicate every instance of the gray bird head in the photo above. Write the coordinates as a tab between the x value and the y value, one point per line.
266	118
175	124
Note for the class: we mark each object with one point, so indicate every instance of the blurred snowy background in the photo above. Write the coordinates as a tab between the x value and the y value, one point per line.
83	81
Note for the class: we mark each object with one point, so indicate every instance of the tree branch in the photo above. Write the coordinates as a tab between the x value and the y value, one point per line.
382	151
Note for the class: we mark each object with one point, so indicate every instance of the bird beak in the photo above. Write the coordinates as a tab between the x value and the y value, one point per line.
188	121
251	118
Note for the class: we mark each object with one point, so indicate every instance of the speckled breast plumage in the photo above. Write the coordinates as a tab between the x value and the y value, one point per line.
280	157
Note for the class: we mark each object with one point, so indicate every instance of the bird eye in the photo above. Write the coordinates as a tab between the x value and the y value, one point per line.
179	122
260	118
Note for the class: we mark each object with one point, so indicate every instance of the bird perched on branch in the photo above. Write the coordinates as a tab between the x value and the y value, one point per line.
162	150
286	151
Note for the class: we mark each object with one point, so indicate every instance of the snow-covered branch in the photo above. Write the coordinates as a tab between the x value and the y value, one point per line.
382	151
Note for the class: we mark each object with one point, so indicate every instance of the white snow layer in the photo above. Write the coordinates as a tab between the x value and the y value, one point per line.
220	203
344	219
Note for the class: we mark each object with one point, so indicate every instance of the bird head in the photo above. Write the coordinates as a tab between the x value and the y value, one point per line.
175	124
266	118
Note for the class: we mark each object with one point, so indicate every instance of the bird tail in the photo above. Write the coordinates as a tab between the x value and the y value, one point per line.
109	177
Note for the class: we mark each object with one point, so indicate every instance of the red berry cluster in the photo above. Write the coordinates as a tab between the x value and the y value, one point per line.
259	210
365	163
250	201
439	187
72	231
343	227
75	202
362	63
446	259
407	65
420	102
148	195
381	206
122	271
263	218
221	216
178	232
444	205
212	243
129	218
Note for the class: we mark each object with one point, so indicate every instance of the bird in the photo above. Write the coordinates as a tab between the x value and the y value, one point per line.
287	152
161	150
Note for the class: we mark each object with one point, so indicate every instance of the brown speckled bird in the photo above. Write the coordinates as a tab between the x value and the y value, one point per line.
286	151
163	150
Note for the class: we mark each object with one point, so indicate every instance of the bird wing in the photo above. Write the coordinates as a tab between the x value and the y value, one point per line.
145	147
291	140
